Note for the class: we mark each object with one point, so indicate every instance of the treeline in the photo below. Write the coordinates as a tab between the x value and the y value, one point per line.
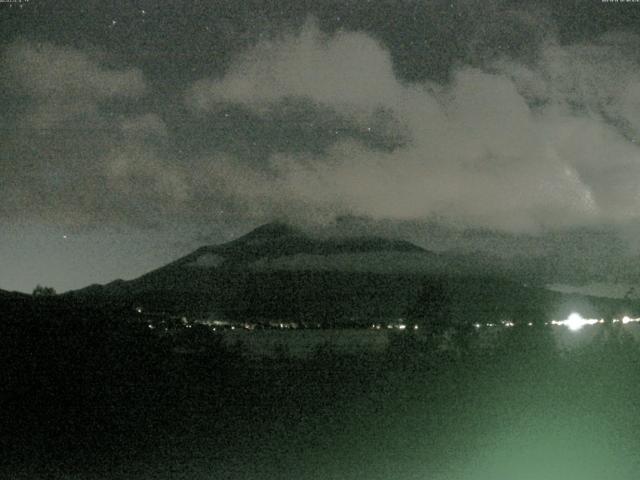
335	298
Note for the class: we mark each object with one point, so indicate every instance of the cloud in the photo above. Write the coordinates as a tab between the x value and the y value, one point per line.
345	71
65	84
148	125
74	159
508	146
45	70
519	146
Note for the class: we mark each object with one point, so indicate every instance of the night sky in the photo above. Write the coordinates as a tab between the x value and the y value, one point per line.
133	132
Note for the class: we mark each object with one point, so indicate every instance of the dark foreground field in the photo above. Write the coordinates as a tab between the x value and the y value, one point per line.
87	402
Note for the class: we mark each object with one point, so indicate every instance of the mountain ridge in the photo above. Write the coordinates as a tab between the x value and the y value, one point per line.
223	275
279	272
275	240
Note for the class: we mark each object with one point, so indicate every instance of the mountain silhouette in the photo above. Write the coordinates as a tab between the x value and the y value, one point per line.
278	271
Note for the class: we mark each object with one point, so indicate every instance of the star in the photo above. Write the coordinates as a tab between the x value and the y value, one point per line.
113	22
143	12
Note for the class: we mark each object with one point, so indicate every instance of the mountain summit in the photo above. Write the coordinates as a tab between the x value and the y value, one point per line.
266	264
272	230
279	272
276	244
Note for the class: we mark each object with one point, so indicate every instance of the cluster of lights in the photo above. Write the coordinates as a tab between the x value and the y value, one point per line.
391	326
575	322
626	320
504	323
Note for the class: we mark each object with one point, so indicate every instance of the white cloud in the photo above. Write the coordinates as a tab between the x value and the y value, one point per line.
144	126
75	162
65	84
45	70
136	172
512	147
480	153
346	71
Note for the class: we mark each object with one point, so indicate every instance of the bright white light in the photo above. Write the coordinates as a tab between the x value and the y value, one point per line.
626	320
401	327
575	322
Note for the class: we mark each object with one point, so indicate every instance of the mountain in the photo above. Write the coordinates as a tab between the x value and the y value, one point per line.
278	247
277	241
13	298
6	295
256	273
278	271
13	304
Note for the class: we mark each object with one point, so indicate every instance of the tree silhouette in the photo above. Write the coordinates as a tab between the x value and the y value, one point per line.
432	307
41	291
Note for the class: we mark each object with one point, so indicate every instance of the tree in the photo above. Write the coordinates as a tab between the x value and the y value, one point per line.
432	306
41	291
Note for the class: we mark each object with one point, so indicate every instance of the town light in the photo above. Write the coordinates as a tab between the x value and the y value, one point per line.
575	322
